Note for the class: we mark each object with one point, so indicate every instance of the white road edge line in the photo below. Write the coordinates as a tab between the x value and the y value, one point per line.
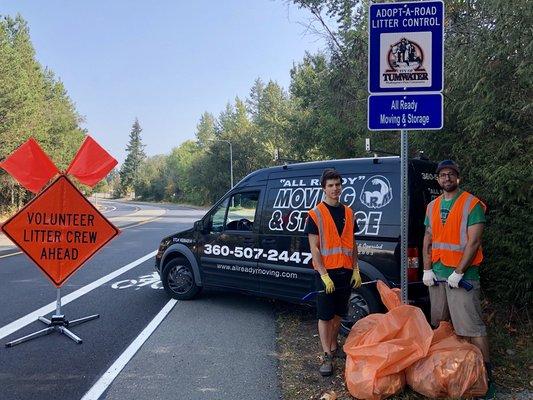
11	254
31	317
109	376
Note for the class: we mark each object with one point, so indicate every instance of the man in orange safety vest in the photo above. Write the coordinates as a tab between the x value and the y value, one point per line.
331	227
452	252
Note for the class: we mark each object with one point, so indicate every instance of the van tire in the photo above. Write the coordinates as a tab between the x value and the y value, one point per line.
178	279
363	301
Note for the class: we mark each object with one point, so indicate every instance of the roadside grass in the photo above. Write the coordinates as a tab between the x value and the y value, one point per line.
299	352
511	345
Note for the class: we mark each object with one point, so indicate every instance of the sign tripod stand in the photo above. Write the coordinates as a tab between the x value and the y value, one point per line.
58	323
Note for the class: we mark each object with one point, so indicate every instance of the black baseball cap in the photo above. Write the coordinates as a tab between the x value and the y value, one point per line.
448	164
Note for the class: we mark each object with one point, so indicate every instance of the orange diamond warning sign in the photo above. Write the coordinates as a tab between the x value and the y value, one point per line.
59	230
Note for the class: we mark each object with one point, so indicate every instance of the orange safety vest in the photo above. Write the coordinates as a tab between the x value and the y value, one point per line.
336	251
449	240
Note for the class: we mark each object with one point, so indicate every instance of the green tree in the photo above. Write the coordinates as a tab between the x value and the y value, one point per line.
129	172
150	181
180	184
32	103
206	128
271	117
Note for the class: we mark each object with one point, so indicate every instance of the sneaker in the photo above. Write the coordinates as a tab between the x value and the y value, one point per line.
326	369
338	353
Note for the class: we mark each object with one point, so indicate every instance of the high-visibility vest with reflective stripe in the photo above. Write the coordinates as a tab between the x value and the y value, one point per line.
336	251
449	239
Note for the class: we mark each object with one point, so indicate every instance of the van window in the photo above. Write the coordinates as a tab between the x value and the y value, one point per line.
241	212
218	217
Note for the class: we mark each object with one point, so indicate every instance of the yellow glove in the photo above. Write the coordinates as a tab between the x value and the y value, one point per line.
328	283
355	282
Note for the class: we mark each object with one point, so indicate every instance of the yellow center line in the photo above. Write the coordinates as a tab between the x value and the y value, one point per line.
140	223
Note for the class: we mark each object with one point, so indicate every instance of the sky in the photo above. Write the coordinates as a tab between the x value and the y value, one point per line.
163	62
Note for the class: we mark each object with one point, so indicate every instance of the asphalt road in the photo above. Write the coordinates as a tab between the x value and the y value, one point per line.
215	347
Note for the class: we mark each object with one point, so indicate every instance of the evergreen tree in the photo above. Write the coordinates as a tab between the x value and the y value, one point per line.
256	94
206	129
33	102
129	172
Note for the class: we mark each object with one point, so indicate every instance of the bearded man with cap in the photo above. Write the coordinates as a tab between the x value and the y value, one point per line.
452	251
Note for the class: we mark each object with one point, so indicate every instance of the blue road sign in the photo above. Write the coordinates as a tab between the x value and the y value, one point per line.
405	46
393	112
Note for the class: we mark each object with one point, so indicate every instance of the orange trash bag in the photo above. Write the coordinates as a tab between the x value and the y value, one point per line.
391	298
380	347
452	368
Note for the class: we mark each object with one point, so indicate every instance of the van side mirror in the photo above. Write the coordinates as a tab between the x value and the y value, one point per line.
201	226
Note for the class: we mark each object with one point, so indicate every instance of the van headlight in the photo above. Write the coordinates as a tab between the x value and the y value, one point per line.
165	243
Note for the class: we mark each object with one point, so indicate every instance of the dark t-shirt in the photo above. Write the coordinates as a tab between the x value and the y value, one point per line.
337	213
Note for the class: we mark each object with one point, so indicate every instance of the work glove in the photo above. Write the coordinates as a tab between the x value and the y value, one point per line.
328	283
429	277
355	281
454	279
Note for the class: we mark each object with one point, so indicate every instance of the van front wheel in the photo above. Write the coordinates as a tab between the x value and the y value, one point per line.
363	301
178	279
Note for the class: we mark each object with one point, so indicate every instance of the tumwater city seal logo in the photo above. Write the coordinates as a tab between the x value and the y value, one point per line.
405	60
406	53
377	192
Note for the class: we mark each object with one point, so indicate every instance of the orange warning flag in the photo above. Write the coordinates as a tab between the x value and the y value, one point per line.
91	164
30	166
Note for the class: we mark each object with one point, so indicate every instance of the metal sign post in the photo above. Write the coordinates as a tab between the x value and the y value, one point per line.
404	205
405	81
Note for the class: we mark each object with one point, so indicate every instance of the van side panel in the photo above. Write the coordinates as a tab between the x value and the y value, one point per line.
371	189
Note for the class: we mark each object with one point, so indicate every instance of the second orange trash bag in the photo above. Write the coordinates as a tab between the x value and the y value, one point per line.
452	368
381	346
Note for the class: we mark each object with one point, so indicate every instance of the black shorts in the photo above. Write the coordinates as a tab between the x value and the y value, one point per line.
336	303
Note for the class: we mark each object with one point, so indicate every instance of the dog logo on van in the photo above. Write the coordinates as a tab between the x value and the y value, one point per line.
377	192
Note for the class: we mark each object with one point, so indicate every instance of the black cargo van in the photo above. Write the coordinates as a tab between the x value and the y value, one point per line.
252	239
